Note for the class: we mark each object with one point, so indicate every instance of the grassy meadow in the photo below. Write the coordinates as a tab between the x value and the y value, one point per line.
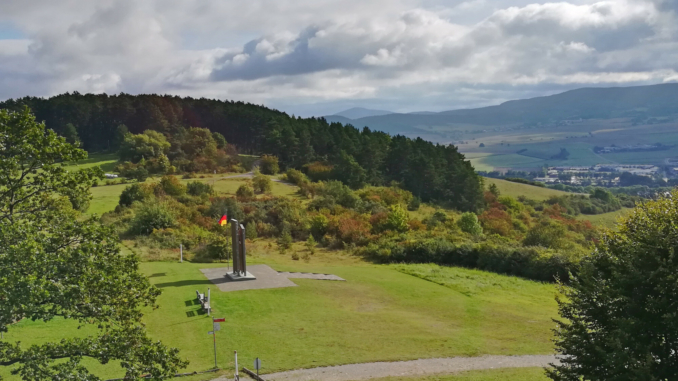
509	188
381	313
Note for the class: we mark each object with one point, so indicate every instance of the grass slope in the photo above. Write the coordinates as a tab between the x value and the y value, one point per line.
379	314
509	188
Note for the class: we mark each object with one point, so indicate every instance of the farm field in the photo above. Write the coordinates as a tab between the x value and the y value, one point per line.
509	188
532	148
379	314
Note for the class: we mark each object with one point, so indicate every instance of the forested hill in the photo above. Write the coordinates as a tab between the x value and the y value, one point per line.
356	157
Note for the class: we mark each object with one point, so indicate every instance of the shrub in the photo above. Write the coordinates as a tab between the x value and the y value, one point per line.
197	188
172	186
151	217
296	177
319	225
318	171
468	223
284	241
219	248
132	193
414	204
547	233
311	244
245	192
269	165
261	183
251	230
397	219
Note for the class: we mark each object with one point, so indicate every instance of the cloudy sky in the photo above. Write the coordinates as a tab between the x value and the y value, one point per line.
317	57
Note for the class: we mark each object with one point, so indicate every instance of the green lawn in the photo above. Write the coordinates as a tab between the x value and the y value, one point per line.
379	314
509	188
106	161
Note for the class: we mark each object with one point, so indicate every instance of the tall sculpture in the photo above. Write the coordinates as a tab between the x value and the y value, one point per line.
239	252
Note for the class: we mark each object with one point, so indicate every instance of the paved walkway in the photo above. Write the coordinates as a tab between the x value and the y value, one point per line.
266	278
413	368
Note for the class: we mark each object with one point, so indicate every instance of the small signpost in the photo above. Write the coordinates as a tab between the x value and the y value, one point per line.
215	327
257	365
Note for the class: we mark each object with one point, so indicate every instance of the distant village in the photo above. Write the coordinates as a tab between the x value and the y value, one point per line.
602	174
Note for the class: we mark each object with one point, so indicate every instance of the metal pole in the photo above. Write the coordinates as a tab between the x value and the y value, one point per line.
237	378
209	302
257	368
214	336
181	253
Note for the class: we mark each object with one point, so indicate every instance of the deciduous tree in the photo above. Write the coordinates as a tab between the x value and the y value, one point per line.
54	264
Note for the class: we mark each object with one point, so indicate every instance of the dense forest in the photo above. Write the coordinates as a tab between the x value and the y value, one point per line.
357	157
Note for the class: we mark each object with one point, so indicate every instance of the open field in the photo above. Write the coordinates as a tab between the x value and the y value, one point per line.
606	220
524	374
106	161
379	314
509	188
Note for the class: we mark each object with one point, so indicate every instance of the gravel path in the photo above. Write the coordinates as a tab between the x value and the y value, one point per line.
424	367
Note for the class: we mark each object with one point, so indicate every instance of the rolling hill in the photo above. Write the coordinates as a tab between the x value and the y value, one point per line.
638	102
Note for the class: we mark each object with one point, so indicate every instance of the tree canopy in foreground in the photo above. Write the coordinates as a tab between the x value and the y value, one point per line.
54	264
621	311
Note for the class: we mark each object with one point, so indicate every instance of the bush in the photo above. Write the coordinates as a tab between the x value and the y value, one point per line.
172	186
296	177
151	217
414	204
251	230
245	191
269	165
284	241
468	223
197	188
547	233
529	262
219	248
132	193
397	219
319	225
261	183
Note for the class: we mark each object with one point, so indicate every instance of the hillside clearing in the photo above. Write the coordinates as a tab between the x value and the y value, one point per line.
509	188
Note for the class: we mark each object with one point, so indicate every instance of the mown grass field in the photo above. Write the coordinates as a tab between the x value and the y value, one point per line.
509	188
379	314
519	374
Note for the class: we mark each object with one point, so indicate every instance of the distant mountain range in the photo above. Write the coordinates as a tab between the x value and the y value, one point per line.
359	112
640	102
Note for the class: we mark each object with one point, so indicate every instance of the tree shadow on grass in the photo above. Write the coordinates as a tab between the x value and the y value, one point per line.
157	275
183	283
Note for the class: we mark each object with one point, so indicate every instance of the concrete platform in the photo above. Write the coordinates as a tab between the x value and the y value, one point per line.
265	276
237	278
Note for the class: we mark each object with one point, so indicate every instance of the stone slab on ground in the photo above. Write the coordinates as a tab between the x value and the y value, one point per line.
311	276
266	278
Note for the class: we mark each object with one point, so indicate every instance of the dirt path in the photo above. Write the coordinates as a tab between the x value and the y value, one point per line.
423	367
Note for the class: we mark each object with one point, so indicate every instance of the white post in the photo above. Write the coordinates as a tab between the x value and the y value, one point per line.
237	378
181	253
209	302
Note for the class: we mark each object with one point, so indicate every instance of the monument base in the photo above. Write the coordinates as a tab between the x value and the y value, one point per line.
236	277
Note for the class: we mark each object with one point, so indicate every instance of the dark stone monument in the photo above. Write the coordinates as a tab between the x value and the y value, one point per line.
239	253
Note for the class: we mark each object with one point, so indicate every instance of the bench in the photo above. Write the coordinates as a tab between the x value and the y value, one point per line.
204	302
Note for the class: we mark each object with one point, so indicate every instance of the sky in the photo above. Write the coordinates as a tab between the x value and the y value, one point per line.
318	57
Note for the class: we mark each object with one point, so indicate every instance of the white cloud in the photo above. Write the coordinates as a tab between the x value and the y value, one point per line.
389	53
